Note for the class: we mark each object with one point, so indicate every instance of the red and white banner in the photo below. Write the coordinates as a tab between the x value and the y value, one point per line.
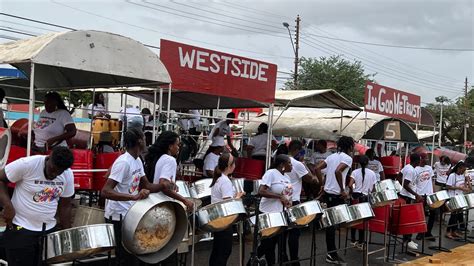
206	71
391	102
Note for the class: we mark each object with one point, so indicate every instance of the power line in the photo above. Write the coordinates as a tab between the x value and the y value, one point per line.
254	10
6	37
18	32
397	46
37	21
366	61
394	61
25	25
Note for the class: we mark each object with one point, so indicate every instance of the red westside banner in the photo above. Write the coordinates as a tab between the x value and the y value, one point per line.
387	101
201	70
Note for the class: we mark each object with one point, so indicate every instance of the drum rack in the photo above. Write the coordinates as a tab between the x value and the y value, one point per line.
439	247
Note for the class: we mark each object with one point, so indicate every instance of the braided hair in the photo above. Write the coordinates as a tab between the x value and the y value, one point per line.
345	144
155	151
363	161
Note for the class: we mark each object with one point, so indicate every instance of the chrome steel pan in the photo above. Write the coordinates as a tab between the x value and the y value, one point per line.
238	184
219	216
383	198
304	213
437	199
78	242
360	212
256	186
383	185
183	188
85	215
470	200
457	202
270	223
335	215
201	188
154	227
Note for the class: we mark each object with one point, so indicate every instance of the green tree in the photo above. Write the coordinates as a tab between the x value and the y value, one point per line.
346	77
77	98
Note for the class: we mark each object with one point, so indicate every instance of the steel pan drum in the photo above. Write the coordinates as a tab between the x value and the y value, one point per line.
457	202
335	215
270	223
437	199
360	212
201	188
238	184
219	216
154	227
470	200
383	185
256	186
304	213
183	190
78	242
87	215
383	198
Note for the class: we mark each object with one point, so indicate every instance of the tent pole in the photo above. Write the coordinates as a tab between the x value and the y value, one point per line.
269	137
352	120
91	137
160	105
124	119
365	122
340	126
31	109
154	117
433	146
168	109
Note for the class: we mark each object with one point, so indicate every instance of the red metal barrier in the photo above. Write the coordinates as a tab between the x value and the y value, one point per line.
83	160
102	161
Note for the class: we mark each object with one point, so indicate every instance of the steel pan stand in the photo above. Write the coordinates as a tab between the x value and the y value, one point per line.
254	259
312	261
193	236
466	222
440	236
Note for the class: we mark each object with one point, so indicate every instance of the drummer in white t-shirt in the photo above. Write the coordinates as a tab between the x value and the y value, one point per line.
221	130
54	125
375	165
457	184
98	109
126	184
222	189
276	192
441	170
44	186
334	189
160	162
298	175
210	162
257	147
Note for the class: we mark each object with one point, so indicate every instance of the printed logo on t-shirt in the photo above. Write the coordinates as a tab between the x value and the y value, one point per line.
424	176
288	190
48	194
135	182
44	121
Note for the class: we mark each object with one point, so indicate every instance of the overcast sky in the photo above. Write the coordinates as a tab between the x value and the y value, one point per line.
254	29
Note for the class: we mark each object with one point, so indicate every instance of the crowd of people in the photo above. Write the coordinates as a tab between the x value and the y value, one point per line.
45	183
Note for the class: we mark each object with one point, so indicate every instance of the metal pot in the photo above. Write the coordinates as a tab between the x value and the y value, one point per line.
304	213
437	199
270	223
78	242
154	227
219	216
457	202
201	188
470	200
335	215
360	212
383	198
86	215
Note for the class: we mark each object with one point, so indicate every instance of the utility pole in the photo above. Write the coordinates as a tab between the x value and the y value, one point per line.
297	46
440	136
466	119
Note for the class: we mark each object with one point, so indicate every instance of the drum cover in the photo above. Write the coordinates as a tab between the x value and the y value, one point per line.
5	143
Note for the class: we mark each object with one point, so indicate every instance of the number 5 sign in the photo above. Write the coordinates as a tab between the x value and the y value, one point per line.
392	130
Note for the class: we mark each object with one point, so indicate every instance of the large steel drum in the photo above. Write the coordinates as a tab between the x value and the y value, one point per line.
154	227
383	198
201	189
304	213
87	215
456	203
219	216
470	200
437	199
78	242
183	190
335	215
270	223
360	212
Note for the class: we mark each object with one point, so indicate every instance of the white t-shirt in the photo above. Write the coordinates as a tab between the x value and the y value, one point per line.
424	180
455	180
317	157
99	109
296	175
332	162
223	188
210	163
279	184
224	130
51	125
35	198
367	185
194	120
165	168
127	171
376	167
441	172
259	142
409	174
